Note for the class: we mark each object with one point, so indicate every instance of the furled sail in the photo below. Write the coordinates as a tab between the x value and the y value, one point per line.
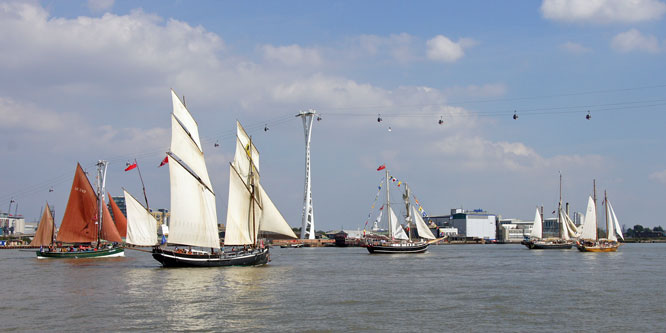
569	225
564	230
618	229
421	227
193	213
118	217
141	225
610	224
397	231
537	228
78	222
589	228
44	233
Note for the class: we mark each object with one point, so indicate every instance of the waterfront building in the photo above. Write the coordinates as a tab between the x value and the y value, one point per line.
513	230
11	224
472	224
447	232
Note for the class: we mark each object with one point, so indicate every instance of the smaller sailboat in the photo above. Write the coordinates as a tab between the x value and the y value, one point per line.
398	241
566	232
87	230
589	240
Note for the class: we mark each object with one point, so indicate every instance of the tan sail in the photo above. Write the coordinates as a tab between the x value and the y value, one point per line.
109	231
44	233
78	223
118	217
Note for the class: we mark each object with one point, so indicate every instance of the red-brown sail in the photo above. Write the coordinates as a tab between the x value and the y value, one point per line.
109	231
78	223
44	233
118	217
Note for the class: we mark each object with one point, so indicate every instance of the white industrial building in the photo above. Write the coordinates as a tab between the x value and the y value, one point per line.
476	223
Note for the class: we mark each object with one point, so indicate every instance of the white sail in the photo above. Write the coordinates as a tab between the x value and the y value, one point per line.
589	228
238	230
564	230
186	149
193	218
618	229
610	225
421	227
271	219
141	225
569	229
245	149
375	225
184	116
397	231
537	228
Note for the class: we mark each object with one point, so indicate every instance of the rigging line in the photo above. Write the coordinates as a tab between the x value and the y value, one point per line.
505	99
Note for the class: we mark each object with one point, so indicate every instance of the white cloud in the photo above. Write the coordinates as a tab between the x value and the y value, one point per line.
659	176
633	40
292	55
603	11
575	48
441	48
98	6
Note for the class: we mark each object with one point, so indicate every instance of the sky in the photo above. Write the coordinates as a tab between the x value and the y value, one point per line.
88	80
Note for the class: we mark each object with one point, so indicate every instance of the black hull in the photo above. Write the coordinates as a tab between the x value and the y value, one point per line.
388	249
170	258
549	246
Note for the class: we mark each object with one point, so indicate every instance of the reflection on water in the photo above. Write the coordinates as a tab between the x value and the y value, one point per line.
451	288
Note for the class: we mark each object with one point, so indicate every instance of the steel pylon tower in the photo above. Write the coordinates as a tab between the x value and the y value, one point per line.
307	228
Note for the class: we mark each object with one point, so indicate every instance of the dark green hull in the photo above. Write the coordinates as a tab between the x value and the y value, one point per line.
102	253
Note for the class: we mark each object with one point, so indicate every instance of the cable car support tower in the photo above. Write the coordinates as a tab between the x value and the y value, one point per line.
307	228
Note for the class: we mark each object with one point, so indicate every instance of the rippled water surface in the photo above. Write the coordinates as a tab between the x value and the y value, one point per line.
450	288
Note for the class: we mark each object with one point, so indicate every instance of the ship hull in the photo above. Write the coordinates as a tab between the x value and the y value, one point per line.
597	247
169	258
537	245
103	253
397	248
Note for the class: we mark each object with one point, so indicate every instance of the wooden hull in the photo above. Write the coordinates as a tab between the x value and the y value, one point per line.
597	247
545	245
393	248
103	253
169	258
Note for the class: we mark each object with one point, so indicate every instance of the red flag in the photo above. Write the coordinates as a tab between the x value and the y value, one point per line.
164	161
381	167
131	166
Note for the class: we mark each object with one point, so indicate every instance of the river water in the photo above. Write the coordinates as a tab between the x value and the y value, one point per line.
503	288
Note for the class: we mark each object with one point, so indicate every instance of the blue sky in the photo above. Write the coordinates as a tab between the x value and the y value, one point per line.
89	80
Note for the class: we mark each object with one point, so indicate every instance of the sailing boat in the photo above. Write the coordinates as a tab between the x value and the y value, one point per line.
567	230
46	229
588	240
399	241
193	221
87	223
118	217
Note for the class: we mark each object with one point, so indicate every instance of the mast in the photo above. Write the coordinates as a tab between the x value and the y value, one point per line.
606	204
101	184
142	184
388	205
252	198
559	208
409	217
596	223
542	222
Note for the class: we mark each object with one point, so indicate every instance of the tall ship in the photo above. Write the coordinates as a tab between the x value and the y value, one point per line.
193	239
567	230
398	241
87	230
589	240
